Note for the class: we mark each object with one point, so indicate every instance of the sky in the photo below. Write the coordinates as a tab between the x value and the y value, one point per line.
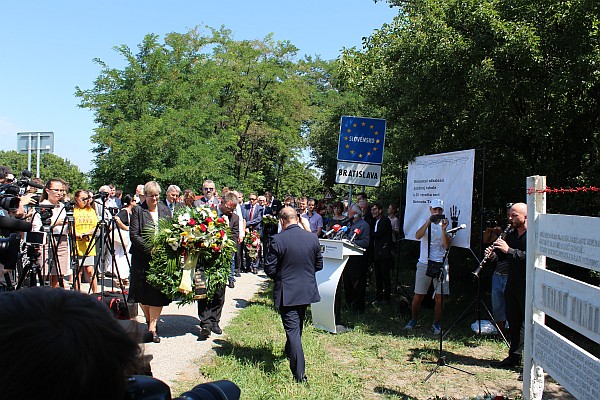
47	49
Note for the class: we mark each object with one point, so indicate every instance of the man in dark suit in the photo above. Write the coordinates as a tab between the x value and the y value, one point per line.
171	199
293	259
382	254
209	312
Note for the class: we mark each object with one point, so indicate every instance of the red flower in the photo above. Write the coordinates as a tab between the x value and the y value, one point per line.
220	220
208	220
192	222
217	249
203	227
222	232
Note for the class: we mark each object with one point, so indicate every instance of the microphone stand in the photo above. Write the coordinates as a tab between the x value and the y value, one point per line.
477	303
441	361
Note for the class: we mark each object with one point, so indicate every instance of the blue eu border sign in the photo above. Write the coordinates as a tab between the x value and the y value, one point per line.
361	140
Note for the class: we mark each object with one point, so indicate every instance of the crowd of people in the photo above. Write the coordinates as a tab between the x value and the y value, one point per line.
104	233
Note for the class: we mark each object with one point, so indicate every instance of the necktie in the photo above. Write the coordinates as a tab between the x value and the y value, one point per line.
171	208
251	212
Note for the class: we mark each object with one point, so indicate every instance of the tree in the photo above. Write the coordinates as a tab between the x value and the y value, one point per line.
517	78
196	107
51	166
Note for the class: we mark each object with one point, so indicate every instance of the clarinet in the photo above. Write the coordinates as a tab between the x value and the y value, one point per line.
486	258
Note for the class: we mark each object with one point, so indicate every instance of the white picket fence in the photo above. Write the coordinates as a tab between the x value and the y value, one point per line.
574	240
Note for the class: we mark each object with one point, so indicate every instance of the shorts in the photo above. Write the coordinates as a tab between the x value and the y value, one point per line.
422	281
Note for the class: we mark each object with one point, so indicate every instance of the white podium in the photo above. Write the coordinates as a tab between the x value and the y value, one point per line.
335	257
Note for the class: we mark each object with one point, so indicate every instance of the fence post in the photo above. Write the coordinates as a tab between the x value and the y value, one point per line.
533	374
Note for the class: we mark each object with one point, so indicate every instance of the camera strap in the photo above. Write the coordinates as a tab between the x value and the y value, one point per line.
428	241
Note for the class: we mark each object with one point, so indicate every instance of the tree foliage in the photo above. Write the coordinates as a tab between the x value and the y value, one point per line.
200	106
519	79
51	166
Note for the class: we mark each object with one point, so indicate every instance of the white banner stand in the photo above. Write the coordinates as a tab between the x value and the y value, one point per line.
335	257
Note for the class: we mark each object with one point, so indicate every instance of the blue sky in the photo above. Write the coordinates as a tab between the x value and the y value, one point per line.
47	50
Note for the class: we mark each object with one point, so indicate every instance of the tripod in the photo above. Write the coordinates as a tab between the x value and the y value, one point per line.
442	277
105	248
32	268
475	306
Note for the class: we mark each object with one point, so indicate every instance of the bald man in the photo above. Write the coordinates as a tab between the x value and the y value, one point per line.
513	246
293	259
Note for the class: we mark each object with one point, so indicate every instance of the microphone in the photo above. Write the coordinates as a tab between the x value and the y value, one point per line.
333	229
356	232
35	185
341	232
458	228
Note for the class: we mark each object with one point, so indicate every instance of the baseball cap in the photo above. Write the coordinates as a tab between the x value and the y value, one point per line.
437	203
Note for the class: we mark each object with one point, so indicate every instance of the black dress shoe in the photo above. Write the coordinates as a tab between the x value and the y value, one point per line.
255	271
231	284
304	379
216	329
237	274
155	337
204	331
508	362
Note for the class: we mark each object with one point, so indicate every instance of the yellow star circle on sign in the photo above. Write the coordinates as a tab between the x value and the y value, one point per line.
351	151
347	146
360	155
368	153
377	141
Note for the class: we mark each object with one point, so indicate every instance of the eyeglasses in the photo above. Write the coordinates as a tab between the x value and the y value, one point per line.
209	189
252	199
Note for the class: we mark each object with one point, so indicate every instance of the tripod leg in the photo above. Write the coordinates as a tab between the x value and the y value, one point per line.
462	316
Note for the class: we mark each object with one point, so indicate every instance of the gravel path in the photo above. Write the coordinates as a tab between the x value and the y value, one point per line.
174	357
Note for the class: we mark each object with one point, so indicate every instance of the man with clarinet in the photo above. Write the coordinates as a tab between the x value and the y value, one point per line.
513	247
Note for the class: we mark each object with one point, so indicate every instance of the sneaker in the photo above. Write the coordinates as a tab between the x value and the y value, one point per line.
411	324
436	329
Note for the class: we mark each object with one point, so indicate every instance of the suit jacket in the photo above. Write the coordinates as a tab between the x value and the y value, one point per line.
175	205
292	261
383	243
256	221
140	220
204	202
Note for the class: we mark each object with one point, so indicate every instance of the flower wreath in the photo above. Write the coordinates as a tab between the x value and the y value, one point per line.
194	238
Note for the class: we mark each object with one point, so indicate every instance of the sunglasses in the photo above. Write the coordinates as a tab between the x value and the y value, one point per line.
209	189
252	199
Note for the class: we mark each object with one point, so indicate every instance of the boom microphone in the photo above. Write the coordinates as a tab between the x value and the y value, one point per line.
13	224
356	232
333	229
458	228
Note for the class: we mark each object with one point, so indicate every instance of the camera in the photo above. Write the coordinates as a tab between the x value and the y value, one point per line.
435	218
141	387
9	199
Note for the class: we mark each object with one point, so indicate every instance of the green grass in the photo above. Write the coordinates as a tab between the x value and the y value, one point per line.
377	360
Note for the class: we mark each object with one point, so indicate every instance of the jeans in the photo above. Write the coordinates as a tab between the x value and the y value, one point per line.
498	303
